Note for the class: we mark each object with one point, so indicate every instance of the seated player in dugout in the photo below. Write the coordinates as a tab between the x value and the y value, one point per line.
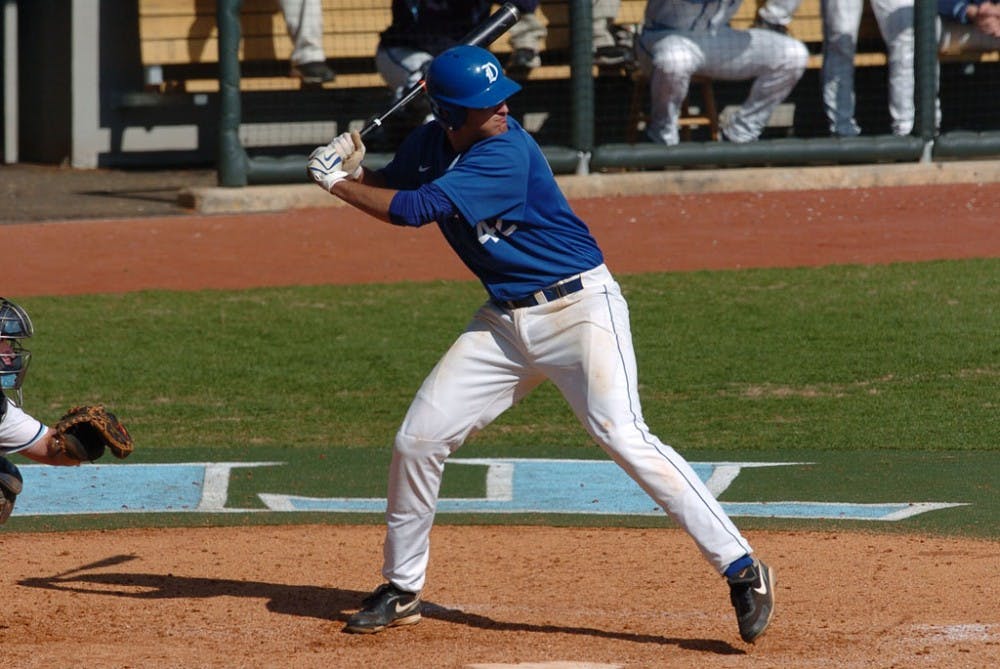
612	44
79	436
681	40
553	311
304	20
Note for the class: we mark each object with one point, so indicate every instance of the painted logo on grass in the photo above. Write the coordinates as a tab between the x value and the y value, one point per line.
512	485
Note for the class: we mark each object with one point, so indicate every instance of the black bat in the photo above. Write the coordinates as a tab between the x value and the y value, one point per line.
482	35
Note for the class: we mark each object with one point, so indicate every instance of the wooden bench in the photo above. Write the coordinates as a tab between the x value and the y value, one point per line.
179	43
179	46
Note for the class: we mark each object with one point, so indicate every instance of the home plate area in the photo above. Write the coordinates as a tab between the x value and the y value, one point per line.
547	665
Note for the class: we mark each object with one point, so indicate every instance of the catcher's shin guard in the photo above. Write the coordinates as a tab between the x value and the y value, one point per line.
11	484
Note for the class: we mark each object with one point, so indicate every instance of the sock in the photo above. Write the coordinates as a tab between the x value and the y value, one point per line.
738	566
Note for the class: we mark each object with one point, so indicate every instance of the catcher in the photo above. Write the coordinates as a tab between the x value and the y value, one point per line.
82	435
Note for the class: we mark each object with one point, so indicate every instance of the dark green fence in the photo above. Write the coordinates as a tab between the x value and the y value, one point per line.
582	153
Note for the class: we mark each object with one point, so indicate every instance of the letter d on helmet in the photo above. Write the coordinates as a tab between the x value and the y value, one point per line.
465	77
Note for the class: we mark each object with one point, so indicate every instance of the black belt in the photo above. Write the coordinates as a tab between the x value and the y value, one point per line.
544	295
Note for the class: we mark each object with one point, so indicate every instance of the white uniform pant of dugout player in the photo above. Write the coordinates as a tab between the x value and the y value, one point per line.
841	23
841	20
671	57
304	19
583	343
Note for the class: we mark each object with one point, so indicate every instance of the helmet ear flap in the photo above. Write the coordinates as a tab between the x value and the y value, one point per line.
451	117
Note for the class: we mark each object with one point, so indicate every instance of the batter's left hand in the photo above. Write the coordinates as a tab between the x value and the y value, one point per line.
352	151
325	167
340	159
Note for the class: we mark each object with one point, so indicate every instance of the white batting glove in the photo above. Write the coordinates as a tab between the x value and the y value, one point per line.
344	153
324	167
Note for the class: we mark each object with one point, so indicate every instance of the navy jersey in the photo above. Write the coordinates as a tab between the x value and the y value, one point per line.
696	15
436	25
515	230
955	9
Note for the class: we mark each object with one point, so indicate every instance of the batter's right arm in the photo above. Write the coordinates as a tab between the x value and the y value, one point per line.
372	200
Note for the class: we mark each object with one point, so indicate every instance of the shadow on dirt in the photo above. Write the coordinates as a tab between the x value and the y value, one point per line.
309	601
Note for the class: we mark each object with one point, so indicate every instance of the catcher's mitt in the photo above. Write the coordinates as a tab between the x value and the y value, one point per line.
10	488
84	432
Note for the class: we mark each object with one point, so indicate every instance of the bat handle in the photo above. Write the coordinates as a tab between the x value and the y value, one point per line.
410	95
483	36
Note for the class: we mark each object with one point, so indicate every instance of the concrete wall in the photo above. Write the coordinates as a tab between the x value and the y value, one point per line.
76	60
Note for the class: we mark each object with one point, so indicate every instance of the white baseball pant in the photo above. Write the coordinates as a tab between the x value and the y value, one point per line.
401	67
841	21
305	26
671	57
583	344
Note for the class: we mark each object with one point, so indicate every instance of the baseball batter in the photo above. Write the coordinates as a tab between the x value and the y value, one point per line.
683	38
554	311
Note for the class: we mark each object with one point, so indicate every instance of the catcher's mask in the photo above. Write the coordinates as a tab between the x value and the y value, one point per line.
14	358
462	78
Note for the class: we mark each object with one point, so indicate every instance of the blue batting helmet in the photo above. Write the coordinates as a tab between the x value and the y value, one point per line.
465	77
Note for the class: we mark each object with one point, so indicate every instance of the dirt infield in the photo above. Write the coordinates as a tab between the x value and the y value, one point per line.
277	597
528	596
638	234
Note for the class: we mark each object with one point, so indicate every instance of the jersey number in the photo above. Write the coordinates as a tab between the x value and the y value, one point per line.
491	233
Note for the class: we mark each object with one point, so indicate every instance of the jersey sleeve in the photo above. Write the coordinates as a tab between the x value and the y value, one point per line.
419	207
18	430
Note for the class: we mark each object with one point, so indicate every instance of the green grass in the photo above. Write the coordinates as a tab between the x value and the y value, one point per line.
873	370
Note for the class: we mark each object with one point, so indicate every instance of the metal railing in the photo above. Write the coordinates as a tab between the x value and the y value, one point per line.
237	168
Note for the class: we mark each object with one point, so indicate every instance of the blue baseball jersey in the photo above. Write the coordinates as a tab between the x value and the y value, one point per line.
513	227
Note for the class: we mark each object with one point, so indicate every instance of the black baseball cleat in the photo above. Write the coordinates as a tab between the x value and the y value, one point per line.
612	55
752	594
313	73
388	606
522	62
767	25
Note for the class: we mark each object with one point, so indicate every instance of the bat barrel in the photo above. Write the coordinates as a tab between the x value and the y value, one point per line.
500	22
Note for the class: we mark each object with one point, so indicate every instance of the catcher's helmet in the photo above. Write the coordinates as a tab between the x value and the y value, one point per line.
14	358
465	77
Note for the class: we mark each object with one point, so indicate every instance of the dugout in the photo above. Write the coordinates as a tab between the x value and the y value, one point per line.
76	92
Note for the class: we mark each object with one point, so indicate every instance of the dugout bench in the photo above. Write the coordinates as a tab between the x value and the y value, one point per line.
179	43
179	52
